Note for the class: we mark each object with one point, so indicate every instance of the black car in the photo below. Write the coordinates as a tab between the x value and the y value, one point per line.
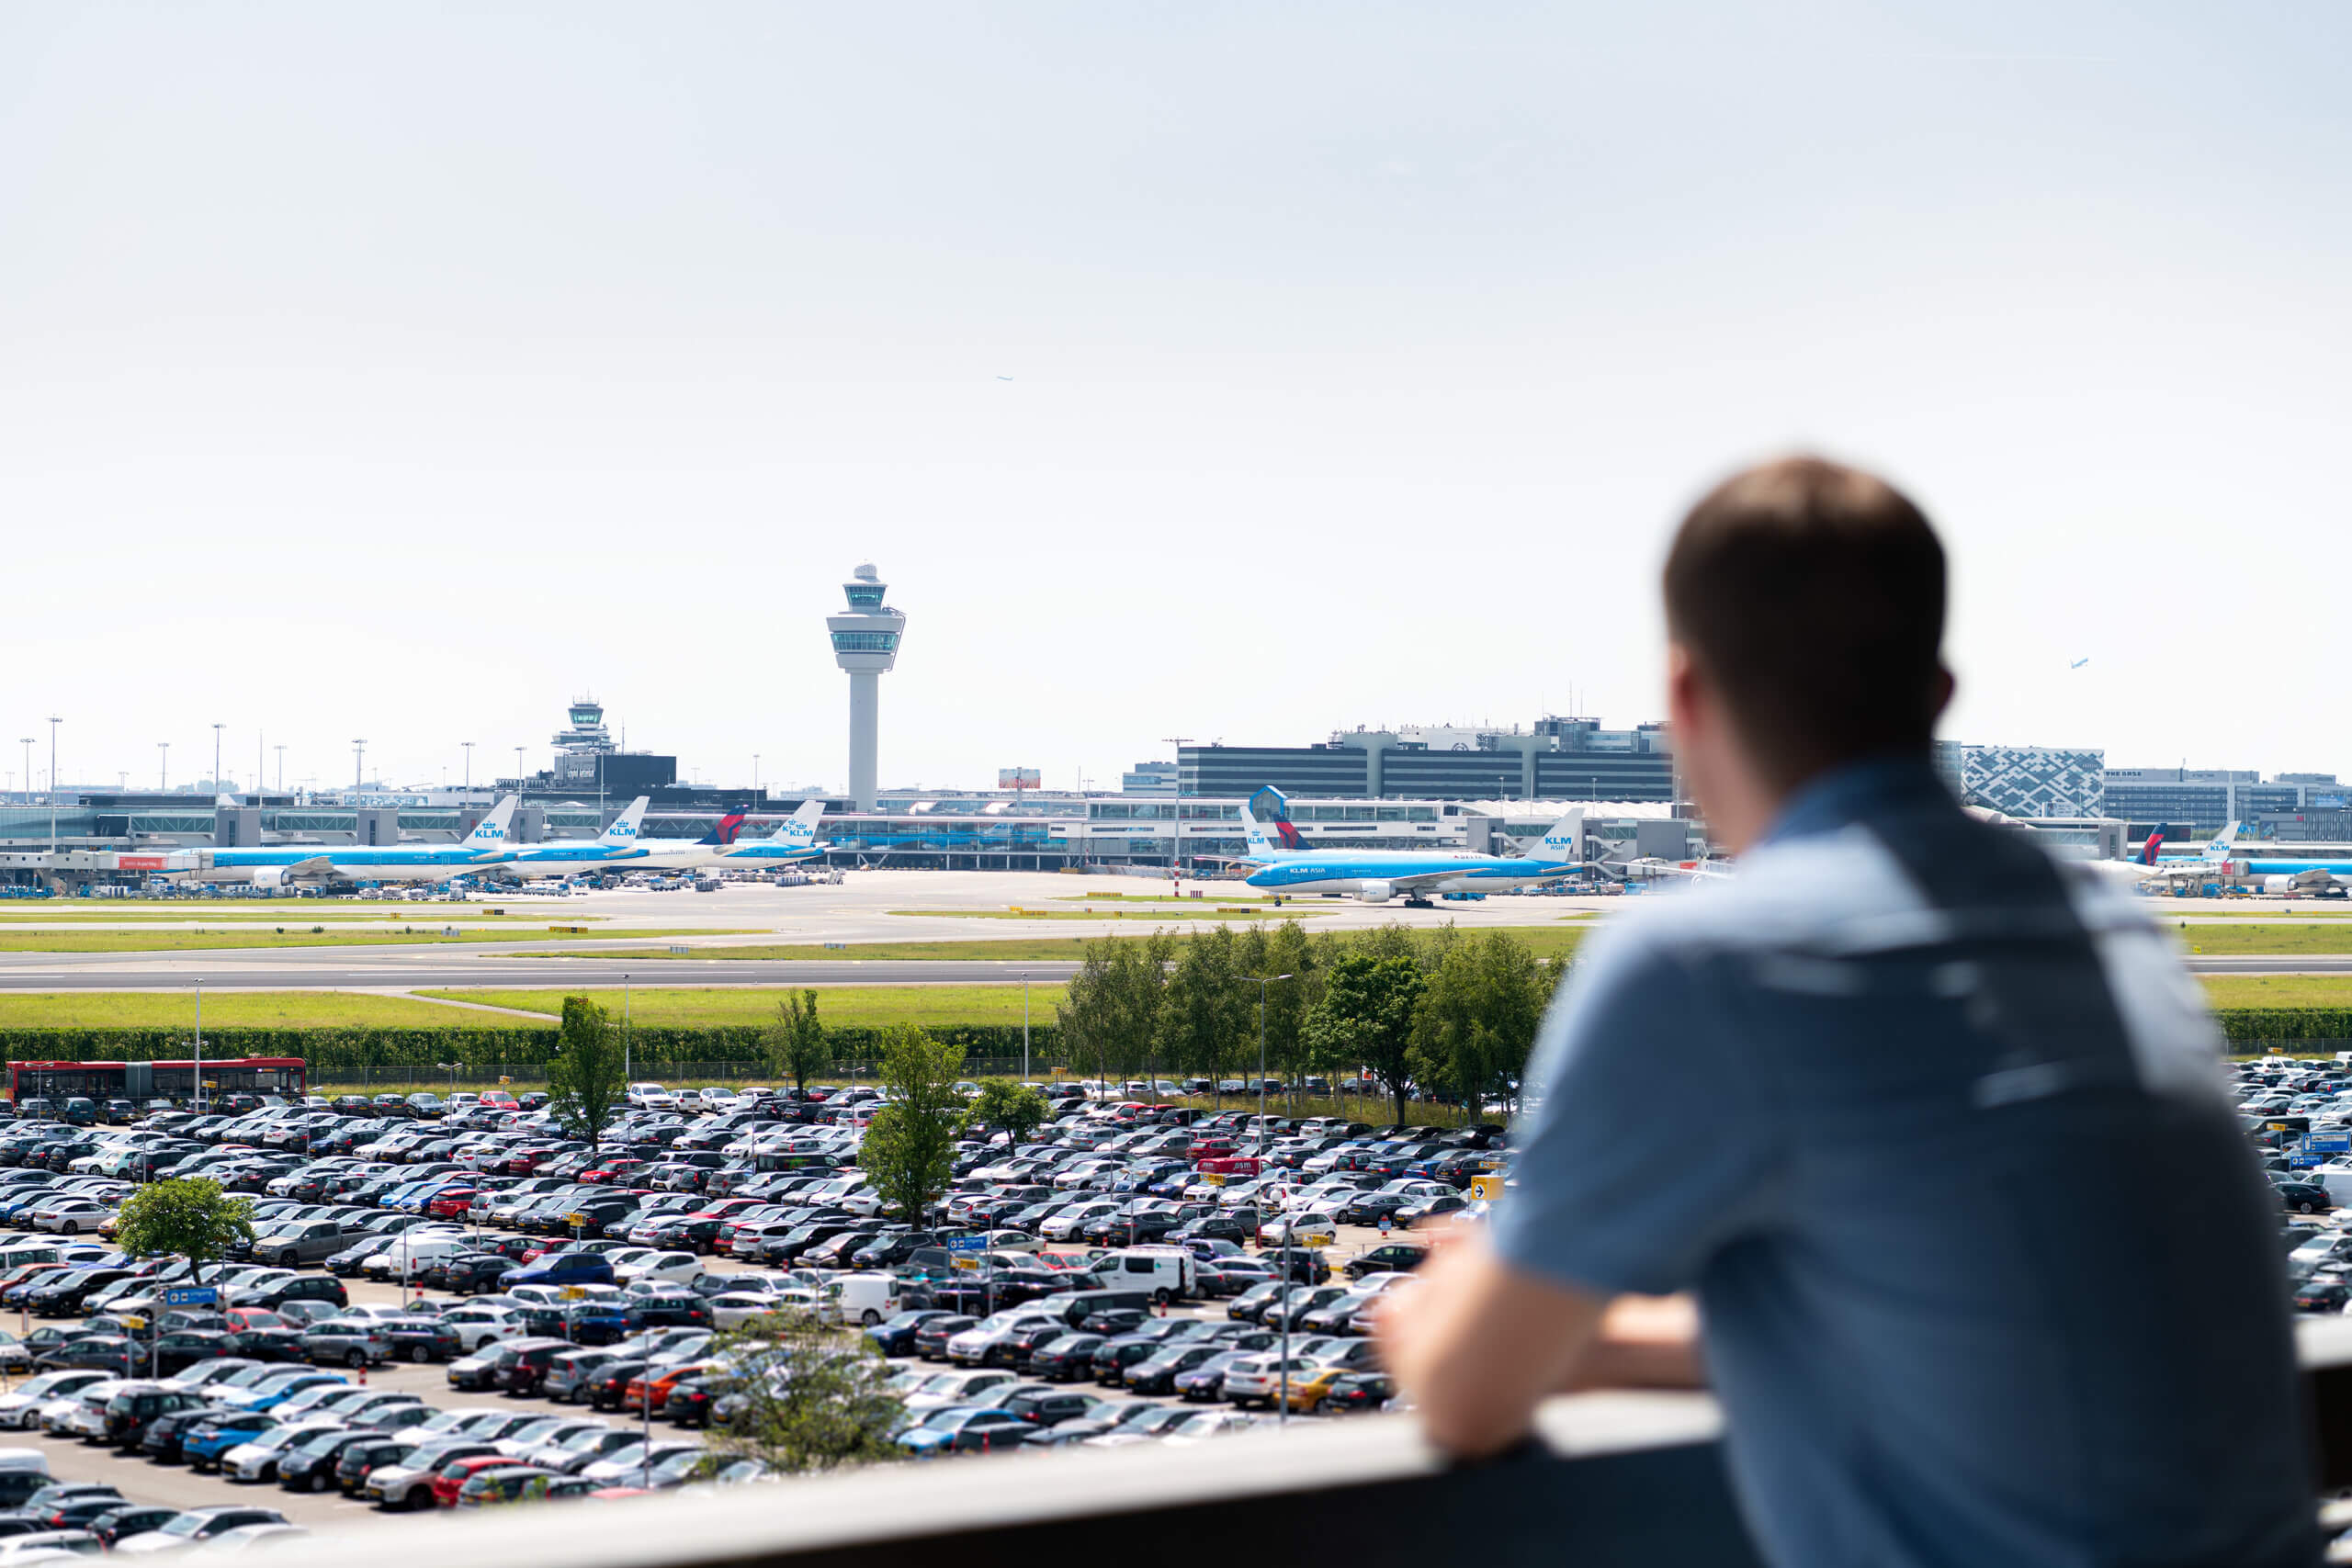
678	1309
932	1337
2304	1197
1051	1408
160	1442
1390	1256
1359	1391
131	1518
894	1336
1065	1360
608	1386
477	1273
309	1465
352	1466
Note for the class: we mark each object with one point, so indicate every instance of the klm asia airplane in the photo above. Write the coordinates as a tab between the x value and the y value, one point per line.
288	865
1377	875
793	842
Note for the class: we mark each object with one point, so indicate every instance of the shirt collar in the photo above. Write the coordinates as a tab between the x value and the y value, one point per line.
1845	795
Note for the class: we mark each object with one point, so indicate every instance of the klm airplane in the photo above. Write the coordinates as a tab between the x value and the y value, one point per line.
616	848
793	842
1377	875
290	866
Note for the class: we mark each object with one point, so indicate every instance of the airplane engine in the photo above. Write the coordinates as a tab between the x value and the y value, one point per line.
271	877
2276	886
1375	892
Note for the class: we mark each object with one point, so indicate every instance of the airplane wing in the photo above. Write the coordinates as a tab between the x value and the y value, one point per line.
317	866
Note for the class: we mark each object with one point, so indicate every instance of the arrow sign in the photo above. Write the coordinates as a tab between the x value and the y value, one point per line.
192	1296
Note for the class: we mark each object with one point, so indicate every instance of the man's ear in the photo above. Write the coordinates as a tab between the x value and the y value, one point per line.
1685	699
1944	688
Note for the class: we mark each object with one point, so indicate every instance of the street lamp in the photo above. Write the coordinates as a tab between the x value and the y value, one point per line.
625	1039
1282	1297
200	1047
54	722
358	767
163	765
1025	1026
469	763
216	757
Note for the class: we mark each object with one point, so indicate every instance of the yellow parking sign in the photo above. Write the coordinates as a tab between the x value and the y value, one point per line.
1490	1186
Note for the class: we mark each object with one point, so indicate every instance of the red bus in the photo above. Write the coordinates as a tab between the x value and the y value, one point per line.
284	1076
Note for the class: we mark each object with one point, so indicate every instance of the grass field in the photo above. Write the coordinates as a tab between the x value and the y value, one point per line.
2273	938
1155	898
231	1010
867	1006
261	912
2278	990
1545	941
290	936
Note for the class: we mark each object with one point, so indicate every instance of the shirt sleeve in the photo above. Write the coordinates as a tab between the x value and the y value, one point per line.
1652	1140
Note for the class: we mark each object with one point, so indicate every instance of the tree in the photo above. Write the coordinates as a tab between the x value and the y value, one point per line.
1012	1106
1284	950
587	1080
1367	1018
1478	1017
814	1398
1111	1009
1202	1006
795	1044
909	1149
184	1216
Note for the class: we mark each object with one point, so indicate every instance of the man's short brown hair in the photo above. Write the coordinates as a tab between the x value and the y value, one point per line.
1812	596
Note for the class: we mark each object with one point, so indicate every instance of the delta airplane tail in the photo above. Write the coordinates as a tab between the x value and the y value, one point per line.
2148	849
724	832
1257	846
490	833
625	826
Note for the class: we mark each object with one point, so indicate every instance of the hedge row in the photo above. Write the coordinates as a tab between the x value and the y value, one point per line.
340	1054
2276	1024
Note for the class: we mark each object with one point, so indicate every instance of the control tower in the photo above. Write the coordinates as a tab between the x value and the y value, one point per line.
865	643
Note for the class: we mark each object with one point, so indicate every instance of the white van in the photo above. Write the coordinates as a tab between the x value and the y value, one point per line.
1170	1273
859	1298
15	1256
409	1257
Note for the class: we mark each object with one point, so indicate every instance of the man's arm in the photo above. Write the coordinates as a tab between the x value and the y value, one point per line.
1476	1344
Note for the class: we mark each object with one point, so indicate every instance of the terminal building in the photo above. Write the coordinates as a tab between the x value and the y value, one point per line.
1556	759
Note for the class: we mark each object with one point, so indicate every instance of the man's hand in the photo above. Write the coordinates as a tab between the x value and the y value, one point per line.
1476	1344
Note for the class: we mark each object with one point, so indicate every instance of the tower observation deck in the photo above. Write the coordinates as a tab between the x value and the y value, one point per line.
865	645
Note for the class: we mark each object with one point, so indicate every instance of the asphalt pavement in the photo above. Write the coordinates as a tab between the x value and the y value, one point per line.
361	968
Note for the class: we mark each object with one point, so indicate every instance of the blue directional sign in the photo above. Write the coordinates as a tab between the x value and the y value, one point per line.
192	1296
2328	1142
967	1243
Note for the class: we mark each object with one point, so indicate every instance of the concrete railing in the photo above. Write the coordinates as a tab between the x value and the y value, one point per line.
1613	1478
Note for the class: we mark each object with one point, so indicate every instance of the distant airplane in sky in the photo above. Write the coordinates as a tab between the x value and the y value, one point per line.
2078	663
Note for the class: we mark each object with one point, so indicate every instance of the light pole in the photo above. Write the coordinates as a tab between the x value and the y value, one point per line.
625	1039
1025	1026
358	767
518	765
1282	1297
469	763
200	1047
29	769
281	769
755	772
216	757
163	766
54	722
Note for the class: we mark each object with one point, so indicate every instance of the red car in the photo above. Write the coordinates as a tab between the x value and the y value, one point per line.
450	1477
612	1171
451	1204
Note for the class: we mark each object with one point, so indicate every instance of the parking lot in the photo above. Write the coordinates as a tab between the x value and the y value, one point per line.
724	1208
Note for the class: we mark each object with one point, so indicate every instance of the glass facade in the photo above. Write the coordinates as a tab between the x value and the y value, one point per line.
865	642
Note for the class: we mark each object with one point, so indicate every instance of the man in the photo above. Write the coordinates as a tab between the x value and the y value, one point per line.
1851	1098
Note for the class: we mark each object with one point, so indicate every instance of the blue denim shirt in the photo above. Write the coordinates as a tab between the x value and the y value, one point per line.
1933	1125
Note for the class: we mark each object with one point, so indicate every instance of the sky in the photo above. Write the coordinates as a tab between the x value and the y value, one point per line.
1234	372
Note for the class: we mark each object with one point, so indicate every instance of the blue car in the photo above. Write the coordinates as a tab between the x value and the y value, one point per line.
566	1268
896	1336
279	1392
215	1436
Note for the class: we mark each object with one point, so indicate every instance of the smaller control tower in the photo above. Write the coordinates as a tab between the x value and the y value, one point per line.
865	644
